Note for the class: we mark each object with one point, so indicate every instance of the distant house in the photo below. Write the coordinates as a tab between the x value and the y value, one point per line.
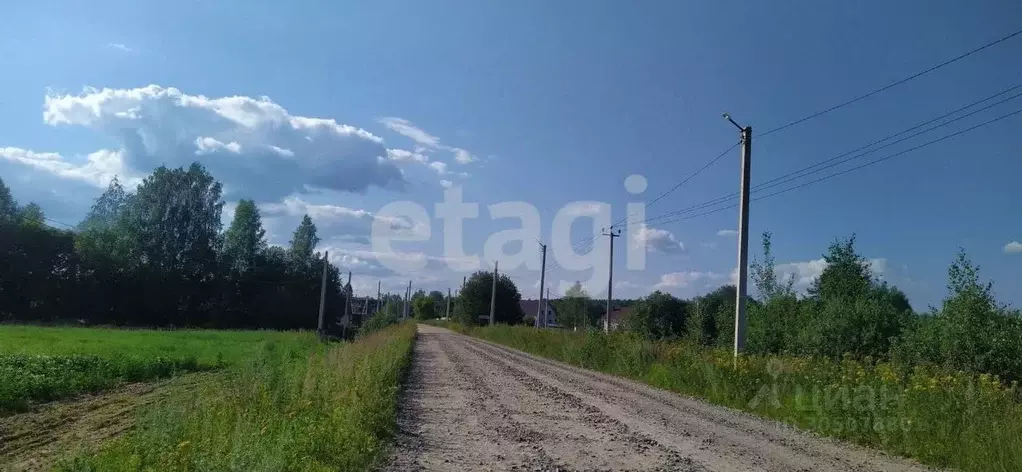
548	319
619	316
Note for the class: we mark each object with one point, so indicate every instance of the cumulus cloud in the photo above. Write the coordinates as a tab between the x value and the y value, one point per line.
1013	247
446	184
674	280
727	232
657	240
97	169
254	145
342	223
407	129
805	272
463	156
426	142
439	167
406	156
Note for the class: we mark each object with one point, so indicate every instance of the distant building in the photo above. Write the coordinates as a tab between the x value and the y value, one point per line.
547	319
619	315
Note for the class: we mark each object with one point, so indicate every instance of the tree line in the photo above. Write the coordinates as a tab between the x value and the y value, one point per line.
849	311
159	256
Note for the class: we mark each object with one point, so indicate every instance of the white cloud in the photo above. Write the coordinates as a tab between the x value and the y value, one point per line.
727	232
407	129
446	183
1013	247
463	156
254	145
119	47
208	145
439	167
657	240
341	222
584	209
806	272
426	142
406	156
675	280
97	169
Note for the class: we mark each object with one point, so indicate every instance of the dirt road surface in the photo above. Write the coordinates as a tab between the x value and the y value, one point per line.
472	405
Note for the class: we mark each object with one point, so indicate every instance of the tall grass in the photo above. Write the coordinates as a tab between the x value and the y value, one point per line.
40	364
287	408
950	419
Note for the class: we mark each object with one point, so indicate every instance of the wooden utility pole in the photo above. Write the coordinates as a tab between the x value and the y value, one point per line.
743	237
448	315
322	292
542	281
610	280
347	301
493	295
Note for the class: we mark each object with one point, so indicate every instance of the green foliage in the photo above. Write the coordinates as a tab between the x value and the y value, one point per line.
424	308
659	316
474	300
963	421
304	241
245	239
764	275
8	206
157	258
43	364
573	310
288	407
971	331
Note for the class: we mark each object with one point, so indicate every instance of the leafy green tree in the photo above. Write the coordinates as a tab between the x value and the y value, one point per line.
474	300
573	309
304	241
174	220
32	215
245	238
8	206
659	316
847	275
424	308
764	275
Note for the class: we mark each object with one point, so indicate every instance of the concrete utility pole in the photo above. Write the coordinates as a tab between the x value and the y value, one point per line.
610	280
743	237
448	315
546	308
542	281
493	295
408	294
322	292
347	302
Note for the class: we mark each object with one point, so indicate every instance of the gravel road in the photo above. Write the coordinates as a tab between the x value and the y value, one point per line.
472	405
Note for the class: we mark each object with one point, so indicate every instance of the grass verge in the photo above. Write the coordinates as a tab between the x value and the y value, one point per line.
947	419
39	364
331	407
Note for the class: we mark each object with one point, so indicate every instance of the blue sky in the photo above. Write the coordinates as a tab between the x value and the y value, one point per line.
545	102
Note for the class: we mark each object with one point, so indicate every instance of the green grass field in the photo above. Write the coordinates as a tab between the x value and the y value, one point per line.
949	419
287	406
39	364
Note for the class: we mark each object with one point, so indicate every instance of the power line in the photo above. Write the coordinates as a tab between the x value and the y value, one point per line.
891	85
845	171
809	170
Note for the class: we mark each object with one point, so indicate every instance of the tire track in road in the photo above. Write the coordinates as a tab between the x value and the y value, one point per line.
474	405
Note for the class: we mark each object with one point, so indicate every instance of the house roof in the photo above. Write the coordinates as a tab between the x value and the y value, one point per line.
619	314
530	307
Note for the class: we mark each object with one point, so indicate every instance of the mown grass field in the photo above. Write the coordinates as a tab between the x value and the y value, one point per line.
949	419
39	364
289	405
